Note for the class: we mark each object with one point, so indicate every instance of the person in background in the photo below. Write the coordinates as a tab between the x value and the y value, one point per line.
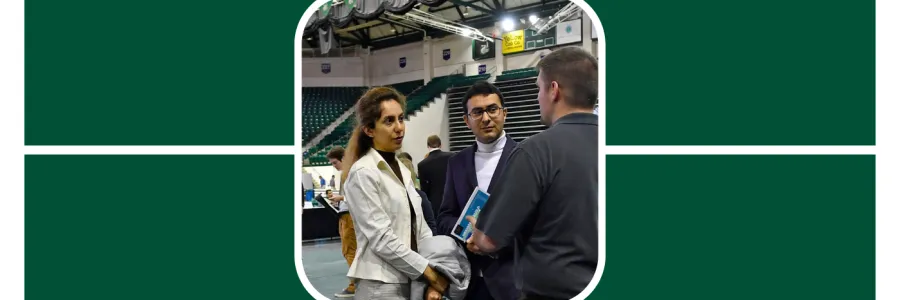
386	210
549	186
345	222
409	157
433	171
331	183
321	181
406	159
480	166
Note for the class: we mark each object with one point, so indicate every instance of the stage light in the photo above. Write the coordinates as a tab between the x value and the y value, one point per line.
533	19
508	24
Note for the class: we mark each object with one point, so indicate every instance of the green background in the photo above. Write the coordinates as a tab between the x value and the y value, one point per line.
739	72
739	227
160	227
196	72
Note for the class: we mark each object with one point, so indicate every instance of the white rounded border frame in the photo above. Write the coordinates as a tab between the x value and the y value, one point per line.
298	156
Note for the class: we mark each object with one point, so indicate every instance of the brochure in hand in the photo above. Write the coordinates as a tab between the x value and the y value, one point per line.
463	229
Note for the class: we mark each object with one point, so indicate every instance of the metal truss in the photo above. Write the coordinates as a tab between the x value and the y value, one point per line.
568	12
427	19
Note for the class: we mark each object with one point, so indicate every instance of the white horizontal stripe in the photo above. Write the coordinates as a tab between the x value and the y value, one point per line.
164	150
739	150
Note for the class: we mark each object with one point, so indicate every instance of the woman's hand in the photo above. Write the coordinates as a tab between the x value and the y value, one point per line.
436	281
432	294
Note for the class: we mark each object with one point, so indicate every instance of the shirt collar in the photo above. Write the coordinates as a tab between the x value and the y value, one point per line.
380	162
578	118
493	146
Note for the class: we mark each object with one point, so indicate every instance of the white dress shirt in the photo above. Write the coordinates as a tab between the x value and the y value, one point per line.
487	156
381	217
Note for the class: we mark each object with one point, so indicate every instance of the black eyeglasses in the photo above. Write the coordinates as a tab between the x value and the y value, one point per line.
492	111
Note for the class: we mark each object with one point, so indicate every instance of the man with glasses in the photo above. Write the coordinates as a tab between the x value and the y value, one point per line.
480	166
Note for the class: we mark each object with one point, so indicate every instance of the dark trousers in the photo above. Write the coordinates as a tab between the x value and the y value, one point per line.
478	290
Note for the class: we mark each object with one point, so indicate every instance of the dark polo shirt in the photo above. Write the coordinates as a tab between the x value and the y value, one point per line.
545	206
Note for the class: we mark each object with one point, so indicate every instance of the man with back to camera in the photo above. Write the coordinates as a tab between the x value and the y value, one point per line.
432	170
480	165
550	186
345	223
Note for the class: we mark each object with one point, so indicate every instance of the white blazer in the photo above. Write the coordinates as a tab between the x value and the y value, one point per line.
380	211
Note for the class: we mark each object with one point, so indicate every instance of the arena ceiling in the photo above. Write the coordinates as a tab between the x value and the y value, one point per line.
376	31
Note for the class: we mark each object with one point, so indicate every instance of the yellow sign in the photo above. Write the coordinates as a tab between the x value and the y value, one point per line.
514	41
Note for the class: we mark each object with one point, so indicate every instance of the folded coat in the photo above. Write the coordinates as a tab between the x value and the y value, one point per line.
446	256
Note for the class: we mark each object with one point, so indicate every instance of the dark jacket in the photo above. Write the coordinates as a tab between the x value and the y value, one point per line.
461	181
427	212
432	172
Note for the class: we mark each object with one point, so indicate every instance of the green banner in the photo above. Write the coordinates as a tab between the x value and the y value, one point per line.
534	41
483	49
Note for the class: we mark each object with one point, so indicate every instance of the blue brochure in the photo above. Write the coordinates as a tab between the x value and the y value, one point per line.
463	229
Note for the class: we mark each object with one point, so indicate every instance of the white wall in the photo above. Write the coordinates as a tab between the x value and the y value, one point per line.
324	171
385	64
472	68
431	120
345	71
525	60
460	56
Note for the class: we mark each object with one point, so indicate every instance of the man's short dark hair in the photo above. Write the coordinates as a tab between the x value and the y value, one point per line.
405	155
575	70
434	141
480	88
328	191
337	153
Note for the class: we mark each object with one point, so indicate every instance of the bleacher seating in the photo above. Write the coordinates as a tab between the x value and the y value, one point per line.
339	136
407	88
417	97
421	97
323	105
523	117
468	81
517	73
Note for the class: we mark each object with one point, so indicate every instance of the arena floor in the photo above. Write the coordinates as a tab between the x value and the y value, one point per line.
325	267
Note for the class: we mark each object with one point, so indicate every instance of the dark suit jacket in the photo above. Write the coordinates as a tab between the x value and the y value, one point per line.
427	212
461	181
432	172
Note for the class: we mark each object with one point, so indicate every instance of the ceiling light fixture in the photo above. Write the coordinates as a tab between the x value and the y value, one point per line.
508	24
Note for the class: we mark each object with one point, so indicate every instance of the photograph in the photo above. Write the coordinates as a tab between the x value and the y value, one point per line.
449	148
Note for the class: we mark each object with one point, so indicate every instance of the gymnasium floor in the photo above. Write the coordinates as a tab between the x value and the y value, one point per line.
325	267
